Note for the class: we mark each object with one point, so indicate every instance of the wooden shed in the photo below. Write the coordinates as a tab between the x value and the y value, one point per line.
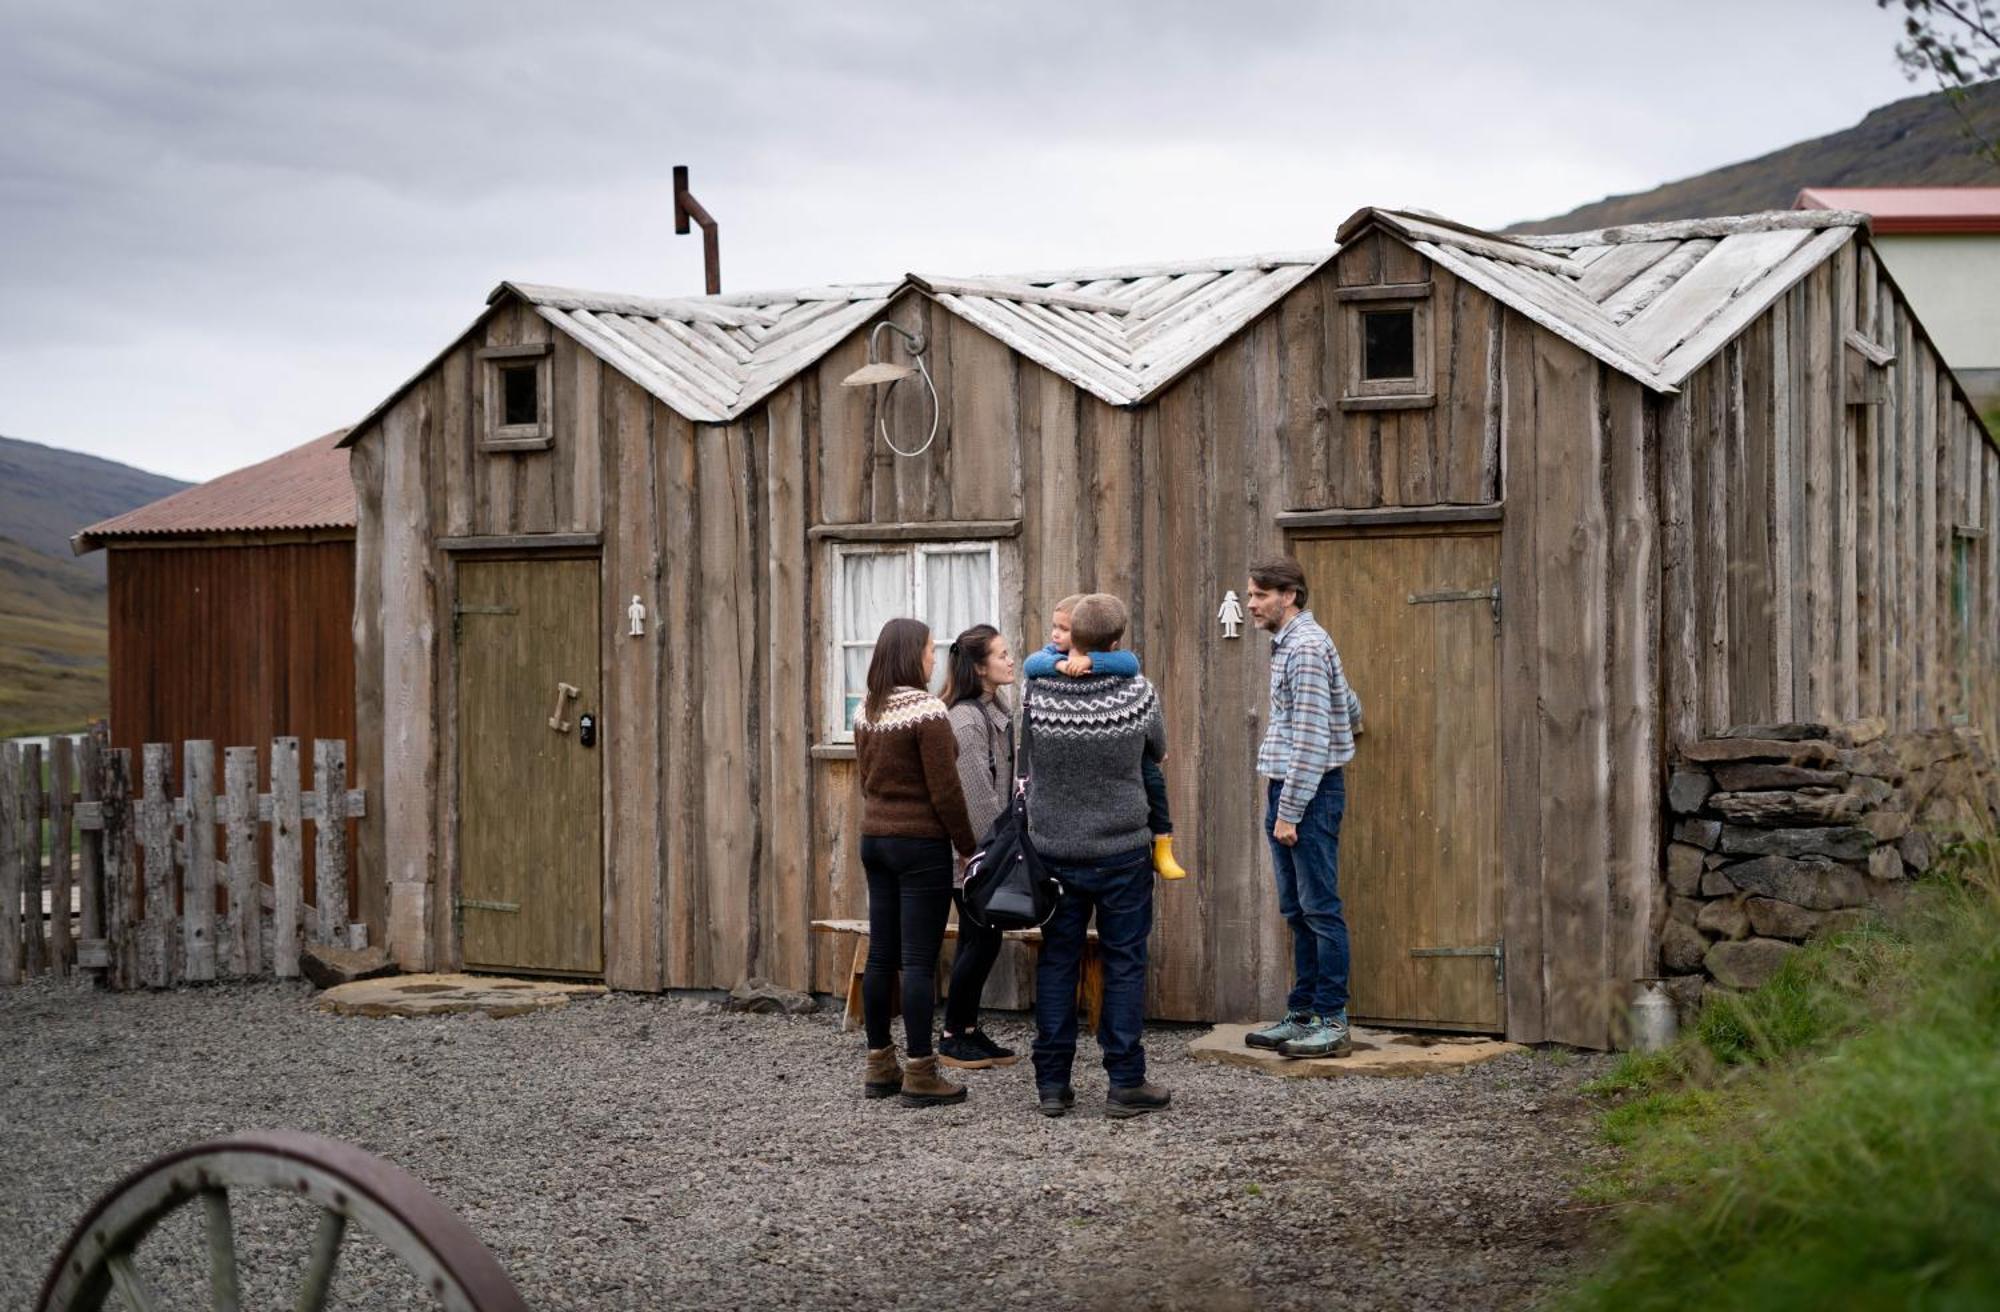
230	613
1565	502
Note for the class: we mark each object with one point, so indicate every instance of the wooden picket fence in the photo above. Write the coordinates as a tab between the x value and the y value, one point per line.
145	871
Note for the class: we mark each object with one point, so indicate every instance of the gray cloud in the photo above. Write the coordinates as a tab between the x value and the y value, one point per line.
225	227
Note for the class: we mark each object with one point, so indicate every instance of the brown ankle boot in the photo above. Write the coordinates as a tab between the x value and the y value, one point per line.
883	1076
924	1087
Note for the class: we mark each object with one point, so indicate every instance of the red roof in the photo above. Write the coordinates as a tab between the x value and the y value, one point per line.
1912	209
305	488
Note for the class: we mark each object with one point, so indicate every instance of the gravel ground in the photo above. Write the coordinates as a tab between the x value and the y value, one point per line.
649	1152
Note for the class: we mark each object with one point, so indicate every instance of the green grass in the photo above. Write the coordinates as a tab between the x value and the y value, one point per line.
1829	1140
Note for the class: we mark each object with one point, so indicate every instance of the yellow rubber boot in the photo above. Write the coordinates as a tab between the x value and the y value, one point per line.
1163	858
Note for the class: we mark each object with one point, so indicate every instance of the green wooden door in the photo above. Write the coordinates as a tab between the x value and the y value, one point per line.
530	821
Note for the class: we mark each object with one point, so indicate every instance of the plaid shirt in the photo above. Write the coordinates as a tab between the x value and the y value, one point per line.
1314	714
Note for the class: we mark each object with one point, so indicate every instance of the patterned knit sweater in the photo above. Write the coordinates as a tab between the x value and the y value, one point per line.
1084	740
909	772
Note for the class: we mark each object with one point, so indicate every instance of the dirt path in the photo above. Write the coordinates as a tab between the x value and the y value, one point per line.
646	1152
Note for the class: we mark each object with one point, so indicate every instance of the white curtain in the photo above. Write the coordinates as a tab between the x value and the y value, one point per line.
874	589
958	593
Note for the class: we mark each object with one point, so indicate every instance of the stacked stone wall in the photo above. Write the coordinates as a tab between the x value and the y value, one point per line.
1781	833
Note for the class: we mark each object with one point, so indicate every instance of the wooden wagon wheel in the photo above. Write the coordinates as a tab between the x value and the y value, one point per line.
349	1186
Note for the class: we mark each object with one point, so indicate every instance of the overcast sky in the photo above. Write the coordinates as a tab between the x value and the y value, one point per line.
228	227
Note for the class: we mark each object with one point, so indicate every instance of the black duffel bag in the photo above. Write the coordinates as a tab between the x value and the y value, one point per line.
1006	884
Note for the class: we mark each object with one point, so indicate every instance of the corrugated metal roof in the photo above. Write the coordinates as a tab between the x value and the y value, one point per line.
1653	300
305	488
1913	209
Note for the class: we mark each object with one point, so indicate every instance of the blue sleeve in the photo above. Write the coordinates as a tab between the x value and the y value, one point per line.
1124	664
1042	664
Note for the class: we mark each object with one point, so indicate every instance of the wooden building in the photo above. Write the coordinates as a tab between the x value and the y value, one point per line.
230	613
1564	501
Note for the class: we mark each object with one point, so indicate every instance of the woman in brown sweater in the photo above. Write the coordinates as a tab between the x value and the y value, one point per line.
913	815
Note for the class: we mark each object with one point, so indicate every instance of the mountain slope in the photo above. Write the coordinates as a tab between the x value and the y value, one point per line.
53	673
1921	141
46	494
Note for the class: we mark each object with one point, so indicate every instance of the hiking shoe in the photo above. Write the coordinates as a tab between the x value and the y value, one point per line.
1056	1099
1293	1026
973	1051
1135	1100
1326	1037
924	1087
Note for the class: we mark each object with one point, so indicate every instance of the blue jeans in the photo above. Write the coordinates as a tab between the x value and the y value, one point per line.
1309	897
1120	891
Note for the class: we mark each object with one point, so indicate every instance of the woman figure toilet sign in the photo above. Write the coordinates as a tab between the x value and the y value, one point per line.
1231	614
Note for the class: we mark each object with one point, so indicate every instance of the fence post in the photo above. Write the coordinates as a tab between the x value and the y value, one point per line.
198	875
30	835
246	907
90	777
119	837
62	775
158	943
285	851
10	863
330	840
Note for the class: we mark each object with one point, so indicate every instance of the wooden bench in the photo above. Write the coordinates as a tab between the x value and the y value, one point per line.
1089	984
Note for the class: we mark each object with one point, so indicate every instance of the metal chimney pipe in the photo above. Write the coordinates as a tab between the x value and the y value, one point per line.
686	207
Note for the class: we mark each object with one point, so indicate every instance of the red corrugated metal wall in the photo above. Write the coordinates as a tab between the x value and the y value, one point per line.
237	645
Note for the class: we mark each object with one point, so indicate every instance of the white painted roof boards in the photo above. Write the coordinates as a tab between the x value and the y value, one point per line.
1653	300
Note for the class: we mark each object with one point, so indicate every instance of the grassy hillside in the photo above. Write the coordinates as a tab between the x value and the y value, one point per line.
46	494
53	674
1921	141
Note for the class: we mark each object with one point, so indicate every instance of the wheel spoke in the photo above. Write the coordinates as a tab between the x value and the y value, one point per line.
319	1271
130	1284
221	1251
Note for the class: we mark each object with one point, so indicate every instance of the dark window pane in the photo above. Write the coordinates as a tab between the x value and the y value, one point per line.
517	387
1389	344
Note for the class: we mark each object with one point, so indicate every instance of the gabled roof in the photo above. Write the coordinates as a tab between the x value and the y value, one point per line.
305	488
1912	209
1121	334
1652	300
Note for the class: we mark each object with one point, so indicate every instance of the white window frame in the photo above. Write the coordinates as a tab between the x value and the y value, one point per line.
839	643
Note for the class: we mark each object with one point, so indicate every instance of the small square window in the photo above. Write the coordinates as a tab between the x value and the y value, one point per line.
519	404
516	397
1388	344
1386	338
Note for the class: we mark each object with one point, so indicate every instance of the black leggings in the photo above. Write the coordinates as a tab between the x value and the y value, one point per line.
909	897
978	949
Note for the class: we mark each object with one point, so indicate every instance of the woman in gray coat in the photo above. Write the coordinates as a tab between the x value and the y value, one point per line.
979	665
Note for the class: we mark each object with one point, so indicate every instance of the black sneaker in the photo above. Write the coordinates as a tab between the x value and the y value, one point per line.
995	1054
964	1051
1056	1099
1135	1100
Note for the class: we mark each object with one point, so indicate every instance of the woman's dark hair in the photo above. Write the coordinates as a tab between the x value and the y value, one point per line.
962	681
898	662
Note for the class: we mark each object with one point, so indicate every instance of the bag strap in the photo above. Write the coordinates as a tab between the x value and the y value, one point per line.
1022	748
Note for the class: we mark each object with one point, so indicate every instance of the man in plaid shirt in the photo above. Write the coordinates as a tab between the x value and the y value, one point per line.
1314	718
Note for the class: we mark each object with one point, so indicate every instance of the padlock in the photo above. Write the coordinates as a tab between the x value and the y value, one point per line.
586	729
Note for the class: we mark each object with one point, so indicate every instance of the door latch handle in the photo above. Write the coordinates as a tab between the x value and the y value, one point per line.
564	694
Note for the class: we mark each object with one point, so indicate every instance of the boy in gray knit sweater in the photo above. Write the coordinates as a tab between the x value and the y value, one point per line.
1084	741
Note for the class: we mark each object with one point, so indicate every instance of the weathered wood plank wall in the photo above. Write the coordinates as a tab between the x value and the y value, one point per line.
1811	532
1751	548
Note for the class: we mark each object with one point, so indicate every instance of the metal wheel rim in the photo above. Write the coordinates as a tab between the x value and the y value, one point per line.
342	1180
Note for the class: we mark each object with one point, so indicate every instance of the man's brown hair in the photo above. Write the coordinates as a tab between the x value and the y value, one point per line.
1281	574
1096	623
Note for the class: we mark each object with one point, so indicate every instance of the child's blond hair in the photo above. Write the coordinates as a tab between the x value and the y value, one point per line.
1067	606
